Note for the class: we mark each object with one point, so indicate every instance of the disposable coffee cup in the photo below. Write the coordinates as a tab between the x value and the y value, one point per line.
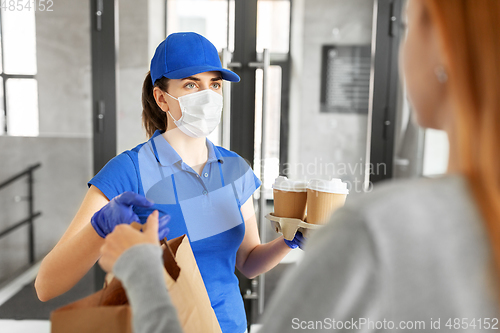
323	198
290	198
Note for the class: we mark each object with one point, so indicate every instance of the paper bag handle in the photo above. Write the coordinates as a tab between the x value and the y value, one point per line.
169	261
168	256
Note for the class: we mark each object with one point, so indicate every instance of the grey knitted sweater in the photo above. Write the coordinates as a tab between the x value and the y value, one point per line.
410	255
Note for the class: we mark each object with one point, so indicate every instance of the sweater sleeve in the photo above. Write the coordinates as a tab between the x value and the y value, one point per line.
336	283
140	270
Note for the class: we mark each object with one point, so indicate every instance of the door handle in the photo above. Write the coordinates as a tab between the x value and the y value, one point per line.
226	106
100	116
265	64
98	15
234	65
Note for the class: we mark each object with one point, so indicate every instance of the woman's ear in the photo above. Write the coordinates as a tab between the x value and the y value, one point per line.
159	96
435	45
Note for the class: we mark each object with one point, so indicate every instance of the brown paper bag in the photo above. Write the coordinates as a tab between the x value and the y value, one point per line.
108	310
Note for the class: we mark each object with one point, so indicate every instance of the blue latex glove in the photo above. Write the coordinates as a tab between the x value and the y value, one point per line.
297	241
119	211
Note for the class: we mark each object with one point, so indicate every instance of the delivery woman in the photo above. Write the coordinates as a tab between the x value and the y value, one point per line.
206	190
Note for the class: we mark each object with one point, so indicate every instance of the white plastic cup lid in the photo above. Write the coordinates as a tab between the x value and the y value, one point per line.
282	183
330	186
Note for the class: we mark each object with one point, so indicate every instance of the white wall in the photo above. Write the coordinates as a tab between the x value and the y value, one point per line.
133	65
142	28
64	71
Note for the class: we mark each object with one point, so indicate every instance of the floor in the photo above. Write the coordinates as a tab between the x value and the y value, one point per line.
21	311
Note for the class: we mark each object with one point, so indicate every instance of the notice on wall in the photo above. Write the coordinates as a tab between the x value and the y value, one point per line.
345	81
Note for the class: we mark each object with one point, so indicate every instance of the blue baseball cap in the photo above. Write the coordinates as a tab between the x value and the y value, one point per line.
183	54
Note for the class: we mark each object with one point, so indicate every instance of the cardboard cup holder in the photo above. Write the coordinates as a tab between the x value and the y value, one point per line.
289	226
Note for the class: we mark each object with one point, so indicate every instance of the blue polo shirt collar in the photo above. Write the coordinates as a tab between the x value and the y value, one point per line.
214	154
167	156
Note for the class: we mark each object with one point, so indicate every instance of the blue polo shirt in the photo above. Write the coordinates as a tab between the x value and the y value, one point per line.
205	207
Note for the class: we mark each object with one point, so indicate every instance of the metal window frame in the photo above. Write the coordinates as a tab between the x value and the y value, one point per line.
242	121
285	110
242	133
5	77
384	90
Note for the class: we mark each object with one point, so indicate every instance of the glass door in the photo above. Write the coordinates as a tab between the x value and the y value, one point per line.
273	36
252	38
330	91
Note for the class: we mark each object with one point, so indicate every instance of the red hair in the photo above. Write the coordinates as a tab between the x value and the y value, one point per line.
470	36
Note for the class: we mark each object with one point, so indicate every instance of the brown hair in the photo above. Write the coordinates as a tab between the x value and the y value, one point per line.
153	118
470	35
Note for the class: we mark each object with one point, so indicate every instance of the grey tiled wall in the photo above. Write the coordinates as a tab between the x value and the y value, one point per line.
327	144
60	185
64	145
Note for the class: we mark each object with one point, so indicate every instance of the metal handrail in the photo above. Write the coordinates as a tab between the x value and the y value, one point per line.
19	175
31	214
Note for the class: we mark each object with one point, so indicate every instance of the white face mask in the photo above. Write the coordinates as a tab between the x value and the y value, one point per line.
201	112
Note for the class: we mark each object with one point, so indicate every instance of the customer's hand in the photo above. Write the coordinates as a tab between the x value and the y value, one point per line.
297	241
118	211
124	237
